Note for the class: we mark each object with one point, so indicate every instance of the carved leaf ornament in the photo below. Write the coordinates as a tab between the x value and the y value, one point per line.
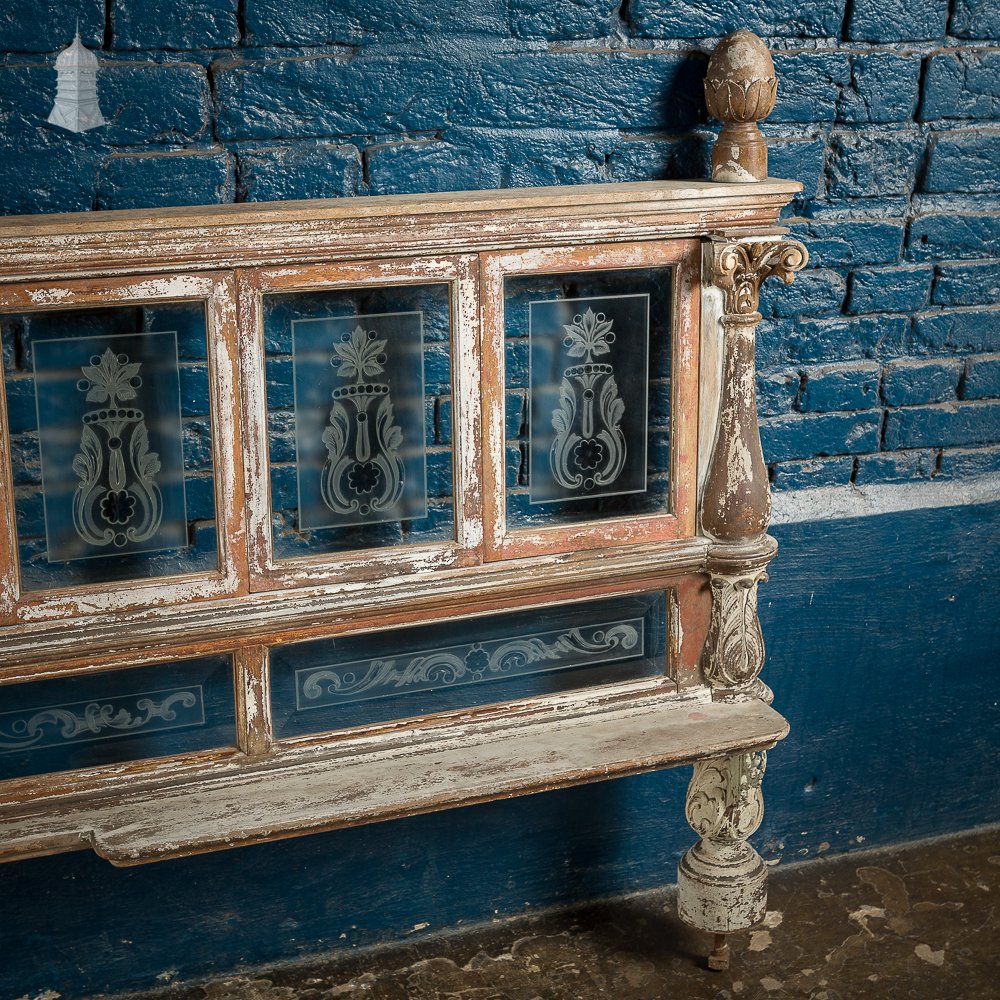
741	268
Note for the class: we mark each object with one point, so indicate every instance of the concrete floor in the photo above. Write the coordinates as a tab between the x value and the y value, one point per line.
917	922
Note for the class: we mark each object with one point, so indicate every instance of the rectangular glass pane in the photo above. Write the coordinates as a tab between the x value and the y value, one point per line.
359	404
357	680
120	715
588	390
111	443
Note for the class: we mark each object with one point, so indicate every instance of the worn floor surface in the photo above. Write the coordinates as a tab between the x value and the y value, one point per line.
919	922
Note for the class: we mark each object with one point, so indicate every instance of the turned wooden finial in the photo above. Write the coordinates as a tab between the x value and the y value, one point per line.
740	88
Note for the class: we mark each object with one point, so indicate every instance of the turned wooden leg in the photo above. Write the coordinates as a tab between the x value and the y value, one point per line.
722	880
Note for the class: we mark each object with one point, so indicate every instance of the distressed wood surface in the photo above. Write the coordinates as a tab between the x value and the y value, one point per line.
358	785
386	225
260	789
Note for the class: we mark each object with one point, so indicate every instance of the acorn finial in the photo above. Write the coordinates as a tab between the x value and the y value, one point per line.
740	88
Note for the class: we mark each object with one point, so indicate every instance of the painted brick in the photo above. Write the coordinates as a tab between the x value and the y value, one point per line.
975	19
798	340
810	83
47	175
871	163
695	19
898	289
322	22
939	333
817	435
174	24
961	462
845	241
964	161
197	436
943	424
777	392
634	158
22	414
281	436
982	378
152	103
958	236
967	284
48	27
796	159
579	90
563	19
897	20
194	389
815	292
138	180
410	167
569	158
884	87
302	170
896	467
907	382
374	92
963	84
812	473
840	387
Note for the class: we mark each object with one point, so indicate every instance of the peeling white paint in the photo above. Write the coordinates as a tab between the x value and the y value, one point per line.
833	503
927	954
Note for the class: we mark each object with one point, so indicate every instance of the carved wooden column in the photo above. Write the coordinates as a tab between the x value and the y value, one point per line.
722	879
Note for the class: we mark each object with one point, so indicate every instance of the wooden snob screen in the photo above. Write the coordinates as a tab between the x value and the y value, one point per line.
322	513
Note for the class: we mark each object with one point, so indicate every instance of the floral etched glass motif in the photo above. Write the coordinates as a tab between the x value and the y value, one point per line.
111	445
586	441
587	359
358	384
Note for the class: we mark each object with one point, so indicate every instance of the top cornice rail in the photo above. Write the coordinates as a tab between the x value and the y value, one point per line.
41	247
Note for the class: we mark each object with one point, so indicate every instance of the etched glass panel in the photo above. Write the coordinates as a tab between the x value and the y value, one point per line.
111	443
588	390
121	715
331	684
359	418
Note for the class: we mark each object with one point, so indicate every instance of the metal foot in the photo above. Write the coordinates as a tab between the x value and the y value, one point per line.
718	959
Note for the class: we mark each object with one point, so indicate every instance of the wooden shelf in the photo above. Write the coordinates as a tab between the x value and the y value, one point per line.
314	788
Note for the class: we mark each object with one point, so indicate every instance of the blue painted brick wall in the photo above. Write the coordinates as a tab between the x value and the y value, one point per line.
881	364
888	111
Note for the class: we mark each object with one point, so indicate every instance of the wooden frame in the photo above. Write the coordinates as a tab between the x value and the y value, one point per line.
371	565
708	554
217	291
679	521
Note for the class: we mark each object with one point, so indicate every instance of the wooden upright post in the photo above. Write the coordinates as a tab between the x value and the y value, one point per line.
722	879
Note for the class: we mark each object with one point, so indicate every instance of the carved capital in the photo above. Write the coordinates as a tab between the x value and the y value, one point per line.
734	647
724	799
739	269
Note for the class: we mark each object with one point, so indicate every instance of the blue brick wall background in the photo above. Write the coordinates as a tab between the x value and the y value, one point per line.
880	364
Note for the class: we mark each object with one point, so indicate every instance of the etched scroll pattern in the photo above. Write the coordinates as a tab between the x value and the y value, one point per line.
97	719
469	663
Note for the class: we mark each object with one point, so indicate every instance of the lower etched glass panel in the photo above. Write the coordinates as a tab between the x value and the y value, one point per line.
359	680
118	716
